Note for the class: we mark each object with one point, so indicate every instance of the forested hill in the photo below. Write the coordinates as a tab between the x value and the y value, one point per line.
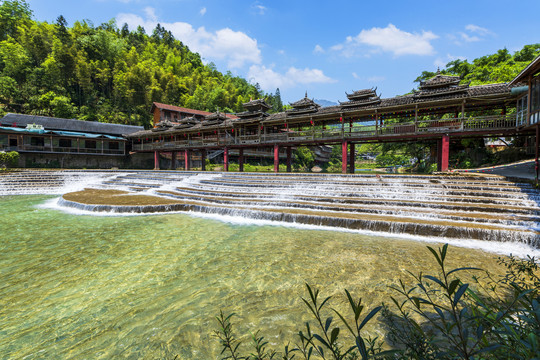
105	73
496	68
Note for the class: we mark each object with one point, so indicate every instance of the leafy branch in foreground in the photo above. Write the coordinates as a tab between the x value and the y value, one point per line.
440	317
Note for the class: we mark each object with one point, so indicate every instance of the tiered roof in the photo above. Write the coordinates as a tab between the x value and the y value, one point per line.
255	110
361	98
216	118
302	106
186	122
441	85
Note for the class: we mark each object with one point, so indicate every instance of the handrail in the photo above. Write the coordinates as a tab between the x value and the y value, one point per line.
354	130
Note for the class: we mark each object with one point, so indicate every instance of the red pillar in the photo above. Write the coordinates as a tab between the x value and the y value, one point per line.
187	157
276	158
226	159
344	157
241	159
173	160
439	155
156	160
352	158
203	160
445	152
289	156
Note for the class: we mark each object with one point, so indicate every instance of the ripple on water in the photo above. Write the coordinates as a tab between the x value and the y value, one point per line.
150	286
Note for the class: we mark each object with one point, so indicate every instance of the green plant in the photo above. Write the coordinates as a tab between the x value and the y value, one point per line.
440	317
9	159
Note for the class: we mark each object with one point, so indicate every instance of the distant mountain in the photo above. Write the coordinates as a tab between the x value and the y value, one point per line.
325	102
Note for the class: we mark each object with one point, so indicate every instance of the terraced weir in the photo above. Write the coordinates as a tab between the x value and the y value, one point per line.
446	206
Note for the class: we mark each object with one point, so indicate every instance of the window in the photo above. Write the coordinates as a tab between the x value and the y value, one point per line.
113	145
37	141
90	144
64	143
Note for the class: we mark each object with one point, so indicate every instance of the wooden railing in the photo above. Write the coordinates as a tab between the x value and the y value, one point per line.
356	131
58	149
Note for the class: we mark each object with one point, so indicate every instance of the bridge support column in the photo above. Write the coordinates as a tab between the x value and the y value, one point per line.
344	157
187	158
536	151
173	160
203	160
352	158
276	158
156	160
443	152
289	159
241	159
226	159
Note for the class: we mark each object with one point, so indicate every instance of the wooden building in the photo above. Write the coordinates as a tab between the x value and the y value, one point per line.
174	114
43	137
528	104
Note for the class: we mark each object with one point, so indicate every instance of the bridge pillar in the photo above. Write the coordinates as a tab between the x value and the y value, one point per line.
276	158
536	151
203	160
226	159
289	158
443	152
241	159
352	158
187	158
173	160
156	160
344	157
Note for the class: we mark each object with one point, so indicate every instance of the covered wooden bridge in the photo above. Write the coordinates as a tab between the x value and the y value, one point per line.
439	110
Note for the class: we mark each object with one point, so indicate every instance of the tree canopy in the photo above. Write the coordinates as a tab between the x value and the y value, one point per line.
105	73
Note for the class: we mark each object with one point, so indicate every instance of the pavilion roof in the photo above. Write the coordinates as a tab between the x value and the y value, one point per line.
258	104
440	80
305	103
361	94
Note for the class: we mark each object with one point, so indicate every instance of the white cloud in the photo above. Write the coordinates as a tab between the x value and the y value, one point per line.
355	75
396	41
318	49
270	79
441	62
473	33
203	11
477	29
235	47
150	13
468	38
260	9
388	39
281	52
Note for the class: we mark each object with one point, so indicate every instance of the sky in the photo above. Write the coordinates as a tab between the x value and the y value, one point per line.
324	48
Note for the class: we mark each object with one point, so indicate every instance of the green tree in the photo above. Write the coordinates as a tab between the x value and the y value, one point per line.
13	13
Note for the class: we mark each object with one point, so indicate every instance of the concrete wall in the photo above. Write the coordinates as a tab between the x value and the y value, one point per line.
79	161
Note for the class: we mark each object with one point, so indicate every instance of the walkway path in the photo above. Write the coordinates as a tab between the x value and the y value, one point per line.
522	169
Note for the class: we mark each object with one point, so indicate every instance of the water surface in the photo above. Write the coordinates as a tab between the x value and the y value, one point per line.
137	287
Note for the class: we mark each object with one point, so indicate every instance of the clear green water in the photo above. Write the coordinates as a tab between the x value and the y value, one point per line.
148	287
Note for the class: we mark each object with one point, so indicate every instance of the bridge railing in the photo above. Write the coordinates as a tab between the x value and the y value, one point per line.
355	130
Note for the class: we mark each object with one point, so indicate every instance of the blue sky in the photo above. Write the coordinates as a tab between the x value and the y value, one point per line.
326	48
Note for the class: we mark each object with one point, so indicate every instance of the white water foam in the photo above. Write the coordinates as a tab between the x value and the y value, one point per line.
501	248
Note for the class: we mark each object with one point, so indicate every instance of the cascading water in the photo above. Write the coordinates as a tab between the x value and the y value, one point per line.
458	207
150	286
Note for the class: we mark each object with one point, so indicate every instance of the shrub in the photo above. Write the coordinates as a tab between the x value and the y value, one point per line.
9	159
